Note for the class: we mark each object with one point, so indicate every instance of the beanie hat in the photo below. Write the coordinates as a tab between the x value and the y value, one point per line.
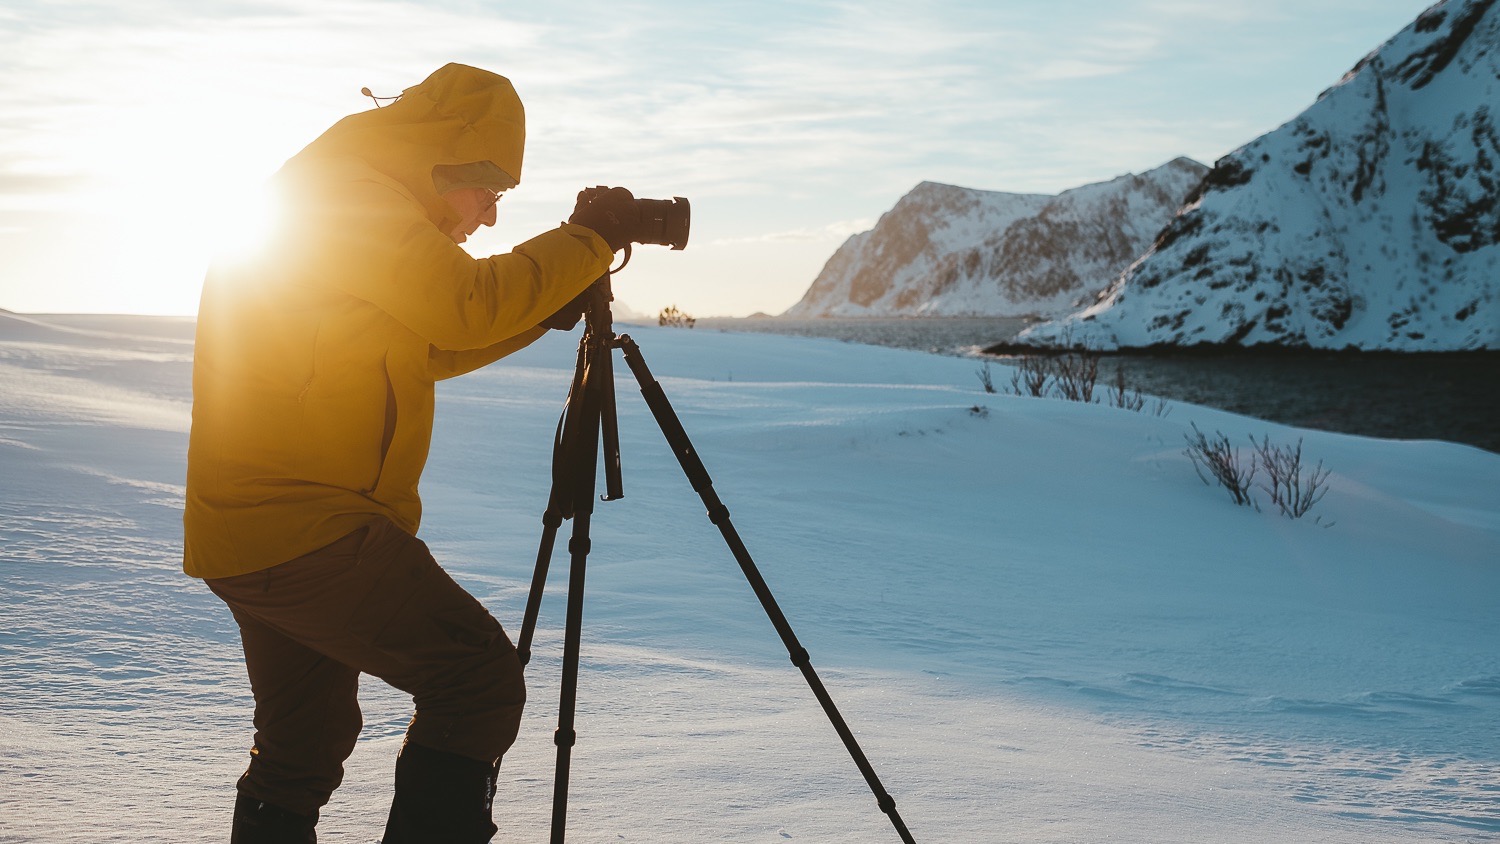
475	174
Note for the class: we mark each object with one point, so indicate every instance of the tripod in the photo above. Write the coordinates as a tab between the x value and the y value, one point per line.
590	416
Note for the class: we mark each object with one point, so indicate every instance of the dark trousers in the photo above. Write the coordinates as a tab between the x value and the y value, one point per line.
374	602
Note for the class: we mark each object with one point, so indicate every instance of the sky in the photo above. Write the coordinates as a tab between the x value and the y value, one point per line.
133	137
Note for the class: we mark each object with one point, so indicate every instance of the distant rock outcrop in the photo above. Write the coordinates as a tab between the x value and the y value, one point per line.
952	251
1371	221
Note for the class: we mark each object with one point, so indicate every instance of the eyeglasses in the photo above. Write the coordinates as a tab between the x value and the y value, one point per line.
494	198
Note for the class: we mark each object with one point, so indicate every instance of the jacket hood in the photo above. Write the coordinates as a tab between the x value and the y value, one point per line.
458	115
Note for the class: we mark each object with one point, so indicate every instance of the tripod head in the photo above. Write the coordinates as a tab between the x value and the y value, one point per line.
591	397
598	318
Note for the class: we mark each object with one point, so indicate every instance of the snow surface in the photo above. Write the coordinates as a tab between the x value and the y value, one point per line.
1041	624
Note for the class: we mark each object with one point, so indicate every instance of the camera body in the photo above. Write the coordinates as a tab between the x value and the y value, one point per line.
663	222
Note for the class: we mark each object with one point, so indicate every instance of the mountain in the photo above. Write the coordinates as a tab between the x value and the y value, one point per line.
625	313
1371	221
952	251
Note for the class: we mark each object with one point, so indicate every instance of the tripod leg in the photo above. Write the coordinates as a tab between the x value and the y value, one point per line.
575	460
566	736
564	450
692	466
551	520
614	488
582	468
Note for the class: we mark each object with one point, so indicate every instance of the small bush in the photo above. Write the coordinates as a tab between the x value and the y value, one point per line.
1122	396
1031	377
1075	374
1292	490
671	317
985	378
1224	463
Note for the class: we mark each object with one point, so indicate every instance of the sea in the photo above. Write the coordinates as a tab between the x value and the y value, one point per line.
1453	397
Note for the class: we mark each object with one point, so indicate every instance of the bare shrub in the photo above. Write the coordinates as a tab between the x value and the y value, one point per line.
1031	376
1293	490
671	317
1075	374
1224	463
1121	395
986	378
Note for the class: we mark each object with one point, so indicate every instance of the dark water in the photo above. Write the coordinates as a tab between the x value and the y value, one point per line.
1454	397
948	336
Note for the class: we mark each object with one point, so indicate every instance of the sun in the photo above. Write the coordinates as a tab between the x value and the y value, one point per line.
157	241
243	227
176	192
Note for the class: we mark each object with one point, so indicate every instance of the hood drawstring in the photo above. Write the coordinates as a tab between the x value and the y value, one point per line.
366	92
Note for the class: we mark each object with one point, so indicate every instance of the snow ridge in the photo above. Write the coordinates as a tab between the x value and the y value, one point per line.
953	251
1369	222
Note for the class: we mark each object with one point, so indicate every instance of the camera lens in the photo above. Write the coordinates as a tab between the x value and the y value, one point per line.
665	222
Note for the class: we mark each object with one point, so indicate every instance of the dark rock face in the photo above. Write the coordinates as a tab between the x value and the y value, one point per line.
1370	221
951	251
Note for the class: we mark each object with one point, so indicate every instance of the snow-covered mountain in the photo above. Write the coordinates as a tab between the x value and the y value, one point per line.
1370	221
952	251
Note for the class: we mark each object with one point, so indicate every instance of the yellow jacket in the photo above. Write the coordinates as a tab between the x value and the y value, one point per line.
315	360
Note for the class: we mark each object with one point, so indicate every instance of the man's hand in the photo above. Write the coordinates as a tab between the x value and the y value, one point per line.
612	213
568	315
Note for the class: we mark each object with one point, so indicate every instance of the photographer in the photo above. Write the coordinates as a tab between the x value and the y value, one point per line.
313	392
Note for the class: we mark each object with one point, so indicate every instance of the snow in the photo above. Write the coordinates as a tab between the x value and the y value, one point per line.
1040	623
951	251
1366	222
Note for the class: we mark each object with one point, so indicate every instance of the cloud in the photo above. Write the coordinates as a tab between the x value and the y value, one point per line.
803	111
801	97
26	189
1065	69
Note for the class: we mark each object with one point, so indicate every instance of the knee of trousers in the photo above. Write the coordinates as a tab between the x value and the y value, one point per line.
297	762
478	713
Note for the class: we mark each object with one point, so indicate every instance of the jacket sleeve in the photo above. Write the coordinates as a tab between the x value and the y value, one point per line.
376	244
443	363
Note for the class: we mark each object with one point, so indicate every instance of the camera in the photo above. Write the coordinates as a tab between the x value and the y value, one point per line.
664	222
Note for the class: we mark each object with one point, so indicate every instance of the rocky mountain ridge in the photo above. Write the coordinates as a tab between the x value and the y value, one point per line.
1371	221
951	251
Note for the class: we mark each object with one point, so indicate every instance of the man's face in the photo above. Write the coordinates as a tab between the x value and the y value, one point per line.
476	206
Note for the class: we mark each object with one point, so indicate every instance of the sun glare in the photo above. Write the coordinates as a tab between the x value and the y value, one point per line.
244	224
171	208
161	241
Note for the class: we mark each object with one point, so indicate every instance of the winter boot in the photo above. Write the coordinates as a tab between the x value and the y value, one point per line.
441	798
261	823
